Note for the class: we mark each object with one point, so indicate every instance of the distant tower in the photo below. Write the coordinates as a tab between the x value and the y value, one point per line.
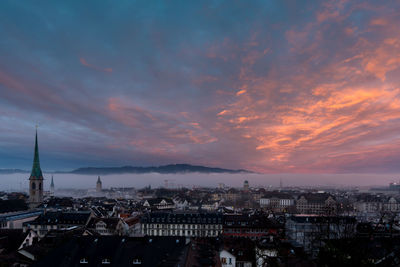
246	186
98	185
52	186
36	180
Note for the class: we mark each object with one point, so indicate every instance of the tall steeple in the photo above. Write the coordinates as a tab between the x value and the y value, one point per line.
36	171
36	179
52	185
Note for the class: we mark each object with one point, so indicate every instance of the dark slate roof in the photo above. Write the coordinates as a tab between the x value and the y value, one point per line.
276	194
250	221
99	211
56	202
119	251
132	220
19	215
156	201
316	197
233	191
323	219
241	248
203	252
59	217
186	218
371	198
11	239
261	190
110	222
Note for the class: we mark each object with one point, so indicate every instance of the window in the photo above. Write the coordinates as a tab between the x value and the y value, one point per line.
83	261
230	260
223	260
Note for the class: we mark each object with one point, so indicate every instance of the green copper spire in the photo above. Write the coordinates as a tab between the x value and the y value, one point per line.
36	171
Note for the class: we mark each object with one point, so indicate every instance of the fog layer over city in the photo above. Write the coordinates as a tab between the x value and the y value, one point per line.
19	181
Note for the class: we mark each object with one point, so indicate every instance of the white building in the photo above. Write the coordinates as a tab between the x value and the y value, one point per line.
276	201
15	220
227	259
182	224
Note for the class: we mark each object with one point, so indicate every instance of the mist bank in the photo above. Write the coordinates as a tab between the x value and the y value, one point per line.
19	181
164	169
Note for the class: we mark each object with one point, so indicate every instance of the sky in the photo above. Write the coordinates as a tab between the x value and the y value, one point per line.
273	86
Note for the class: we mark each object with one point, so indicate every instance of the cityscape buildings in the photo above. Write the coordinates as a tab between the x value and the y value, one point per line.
211	133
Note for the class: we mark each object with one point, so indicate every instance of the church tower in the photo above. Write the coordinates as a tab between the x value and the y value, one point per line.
36	180
98	185
52	186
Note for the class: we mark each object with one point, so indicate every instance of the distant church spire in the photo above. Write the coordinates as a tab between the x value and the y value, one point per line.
36	179
52	185
98	185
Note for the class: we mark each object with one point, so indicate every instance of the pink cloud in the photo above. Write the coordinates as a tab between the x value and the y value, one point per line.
86	64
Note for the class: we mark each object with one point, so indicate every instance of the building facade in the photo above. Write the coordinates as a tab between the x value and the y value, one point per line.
316	203
14	220
249	226
107	226
182	224
276	201
310	231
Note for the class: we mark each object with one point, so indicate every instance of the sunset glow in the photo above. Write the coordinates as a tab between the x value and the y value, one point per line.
277	87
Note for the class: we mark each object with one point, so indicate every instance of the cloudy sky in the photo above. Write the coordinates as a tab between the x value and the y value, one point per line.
270	86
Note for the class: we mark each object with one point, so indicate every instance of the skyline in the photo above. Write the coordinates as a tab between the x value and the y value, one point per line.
277	87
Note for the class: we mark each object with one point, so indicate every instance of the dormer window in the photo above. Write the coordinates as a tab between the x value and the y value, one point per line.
105	261
136	262
83	261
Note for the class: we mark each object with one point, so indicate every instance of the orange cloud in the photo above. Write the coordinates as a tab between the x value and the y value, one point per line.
309	116
241	92
379	22
222	112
